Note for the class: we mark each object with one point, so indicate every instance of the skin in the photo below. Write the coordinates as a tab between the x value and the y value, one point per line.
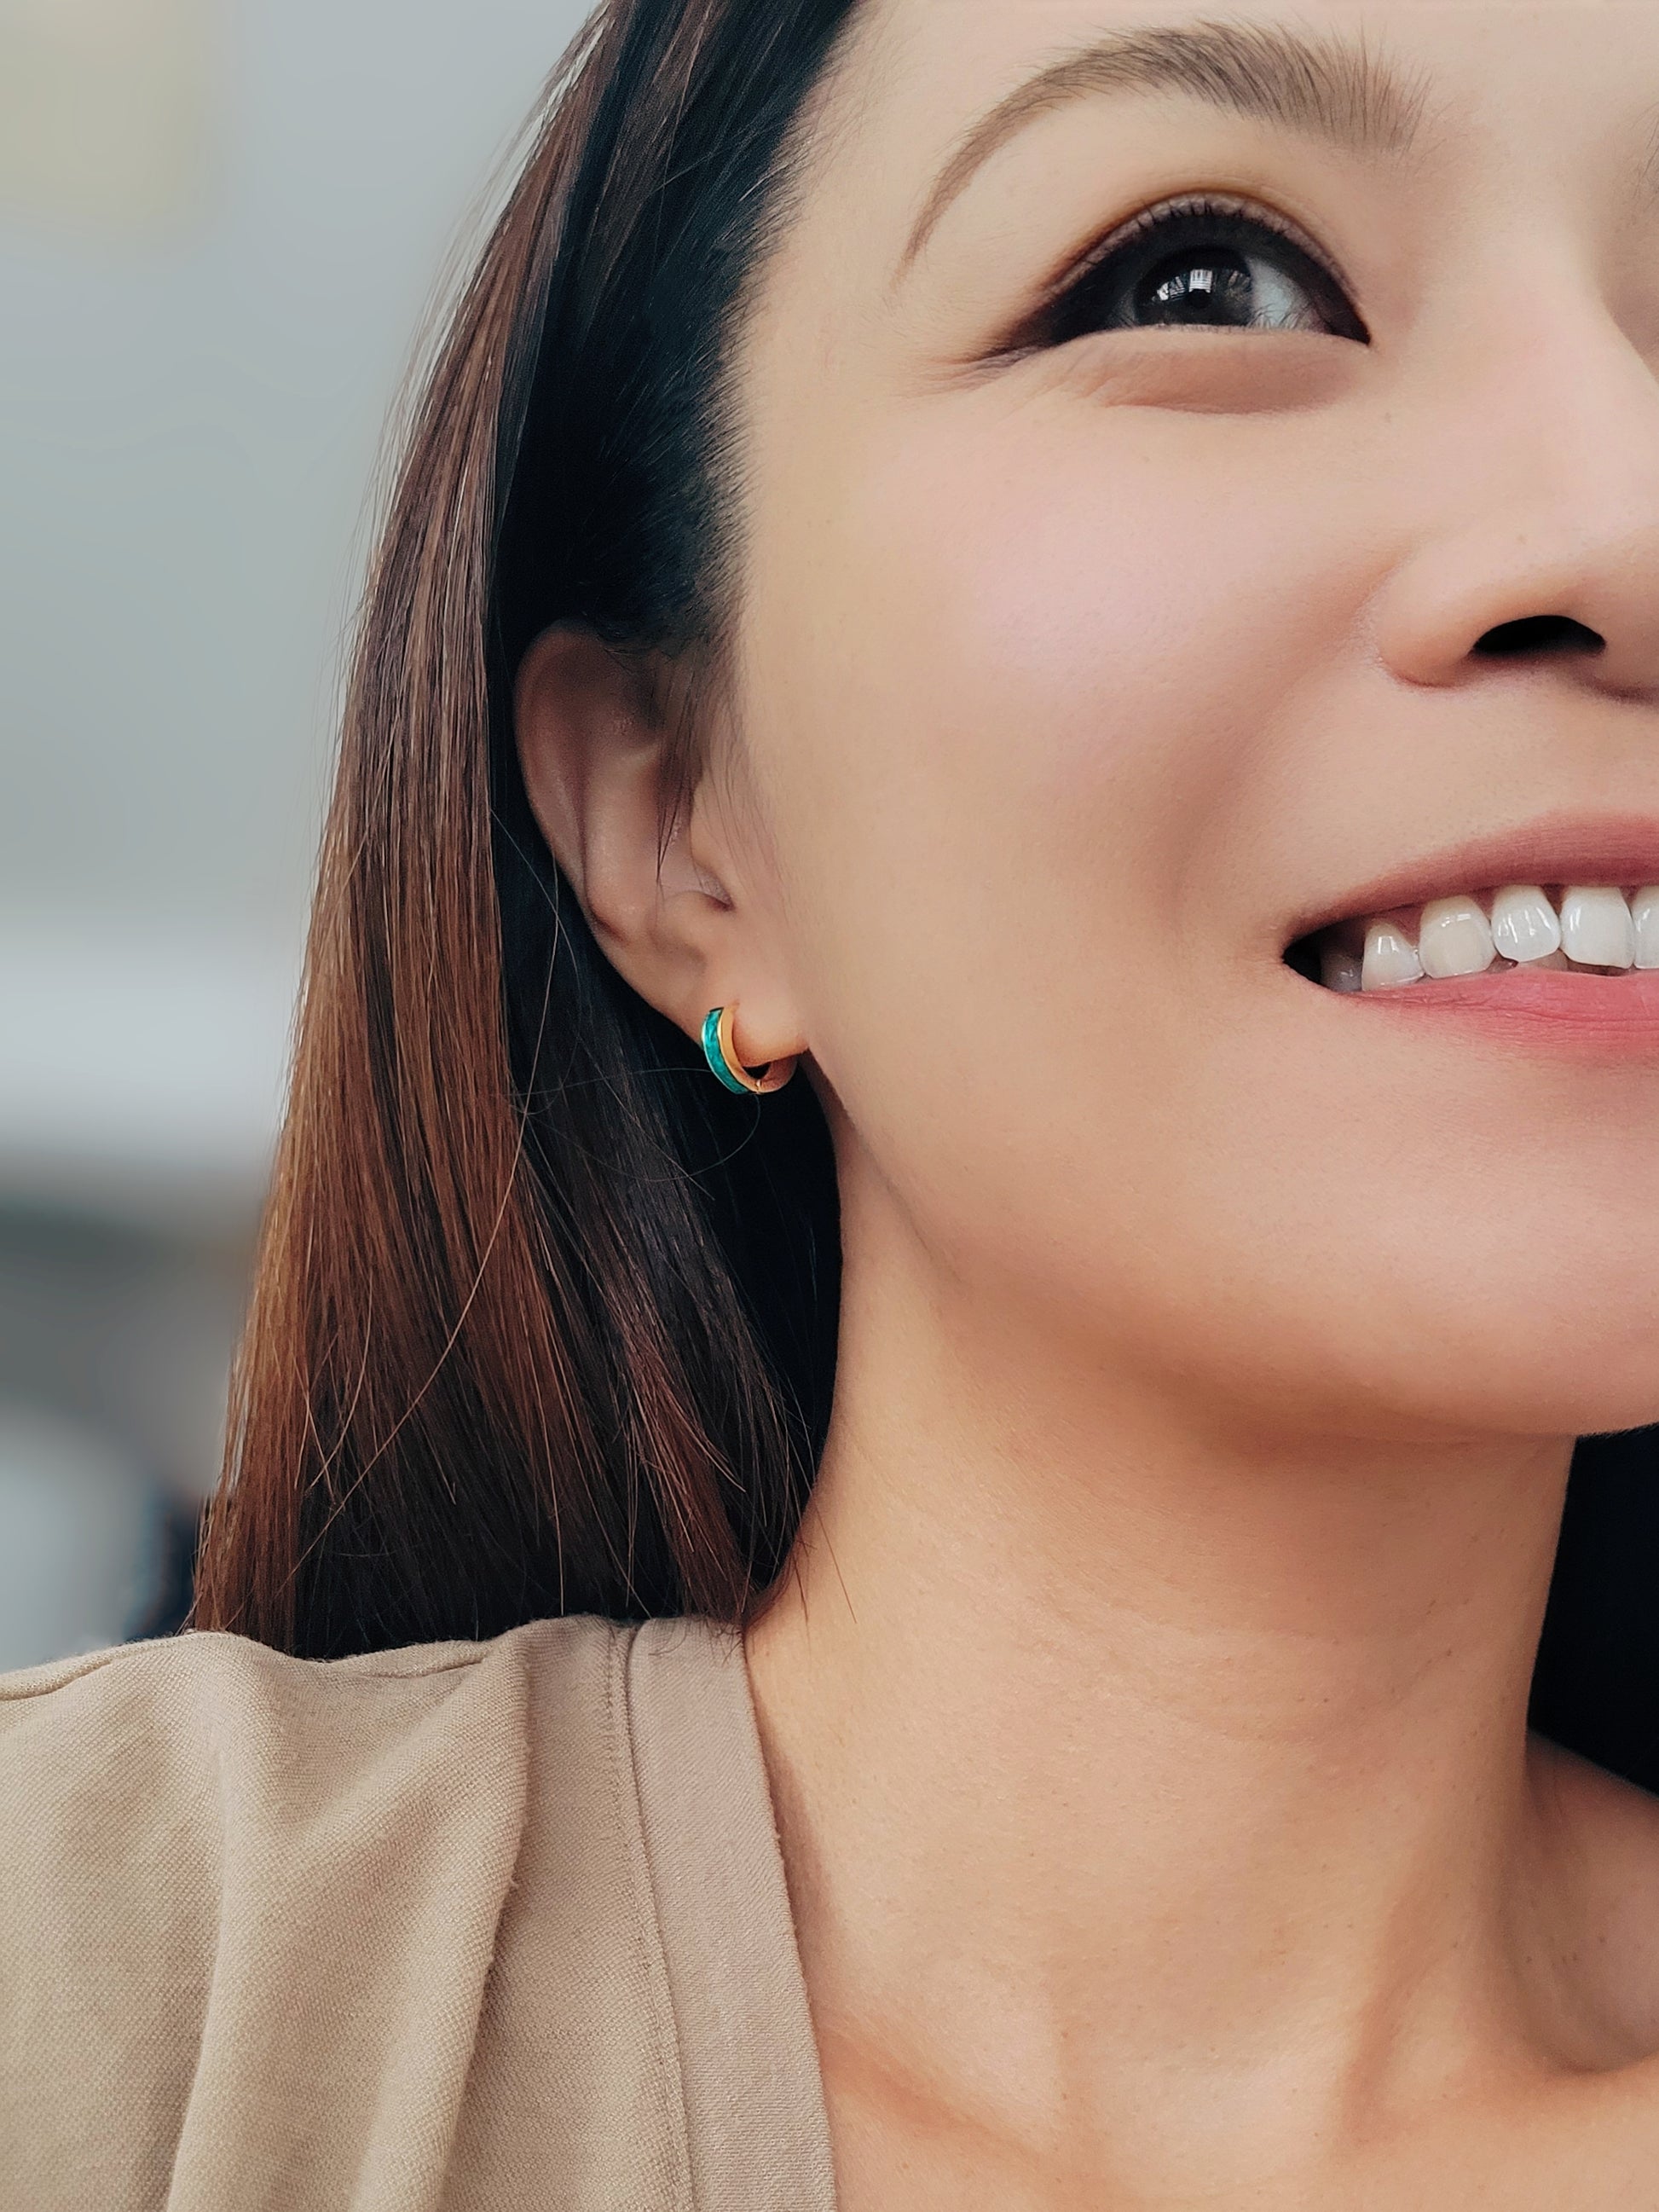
1144	1706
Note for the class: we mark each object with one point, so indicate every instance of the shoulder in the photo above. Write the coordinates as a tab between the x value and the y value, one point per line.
428	1920
208	1841
162	1762
158	1760
145	1725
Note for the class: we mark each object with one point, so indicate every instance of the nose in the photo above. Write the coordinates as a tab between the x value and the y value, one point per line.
1540	537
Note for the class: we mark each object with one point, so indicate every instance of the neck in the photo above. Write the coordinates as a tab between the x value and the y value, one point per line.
1116	1749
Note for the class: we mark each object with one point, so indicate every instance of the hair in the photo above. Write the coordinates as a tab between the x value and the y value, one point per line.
544	1319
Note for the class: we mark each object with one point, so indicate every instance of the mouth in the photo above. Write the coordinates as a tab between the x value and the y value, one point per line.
1558	925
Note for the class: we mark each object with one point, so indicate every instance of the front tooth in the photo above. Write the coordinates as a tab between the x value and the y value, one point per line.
1644	919
1453	938
1390	958
1523	923
1596	930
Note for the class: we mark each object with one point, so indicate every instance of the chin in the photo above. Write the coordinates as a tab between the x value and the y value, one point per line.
1436	1336
1573	1381
1493	1313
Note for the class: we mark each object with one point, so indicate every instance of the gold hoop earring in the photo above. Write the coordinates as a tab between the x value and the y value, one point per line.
721	1054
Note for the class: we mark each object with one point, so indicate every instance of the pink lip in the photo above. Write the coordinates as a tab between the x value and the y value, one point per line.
1584	1015
1557	849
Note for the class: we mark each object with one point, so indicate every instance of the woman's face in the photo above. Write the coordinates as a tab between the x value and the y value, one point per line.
1092	655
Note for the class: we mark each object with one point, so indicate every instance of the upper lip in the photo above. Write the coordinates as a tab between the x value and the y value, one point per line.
1554	848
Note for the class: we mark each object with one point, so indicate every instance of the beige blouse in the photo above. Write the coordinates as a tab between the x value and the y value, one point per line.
496	1927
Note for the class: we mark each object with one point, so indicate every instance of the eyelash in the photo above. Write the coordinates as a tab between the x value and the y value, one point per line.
1200	216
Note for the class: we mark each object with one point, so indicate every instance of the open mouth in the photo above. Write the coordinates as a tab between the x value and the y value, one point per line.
1589	929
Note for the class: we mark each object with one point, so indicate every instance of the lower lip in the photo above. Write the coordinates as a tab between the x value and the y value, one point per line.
1612	1016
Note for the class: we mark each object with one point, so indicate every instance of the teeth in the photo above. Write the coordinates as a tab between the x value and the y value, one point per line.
1596	929
1524	927
1390	958
1339	970
1454	938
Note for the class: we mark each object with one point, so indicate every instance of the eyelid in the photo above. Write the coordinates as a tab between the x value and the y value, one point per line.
1123	234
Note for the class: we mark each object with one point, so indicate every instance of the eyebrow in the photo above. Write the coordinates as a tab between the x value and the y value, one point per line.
1322	88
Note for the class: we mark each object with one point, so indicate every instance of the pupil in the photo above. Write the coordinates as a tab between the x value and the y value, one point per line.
1193	287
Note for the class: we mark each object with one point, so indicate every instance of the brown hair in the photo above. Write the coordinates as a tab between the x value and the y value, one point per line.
544	1319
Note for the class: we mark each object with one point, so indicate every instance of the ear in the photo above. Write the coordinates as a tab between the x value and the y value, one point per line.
690	926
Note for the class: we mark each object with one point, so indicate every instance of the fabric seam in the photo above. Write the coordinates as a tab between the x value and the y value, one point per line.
649	1913
64	1673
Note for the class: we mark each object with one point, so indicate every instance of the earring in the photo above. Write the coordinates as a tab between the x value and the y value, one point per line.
721	1055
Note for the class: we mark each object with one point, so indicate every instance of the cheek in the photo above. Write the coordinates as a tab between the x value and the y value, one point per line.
1047	734
1018	689
1029	684
1069	653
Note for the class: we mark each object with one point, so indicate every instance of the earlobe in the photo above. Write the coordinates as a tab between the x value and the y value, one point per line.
593	742
720	1049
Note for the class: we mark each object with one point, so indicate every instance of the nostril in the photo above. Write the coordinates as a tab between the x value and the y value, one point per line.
1539	634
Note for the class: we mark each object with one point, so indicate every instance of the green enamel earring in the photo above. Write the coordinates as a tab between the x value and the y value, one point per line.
721	1054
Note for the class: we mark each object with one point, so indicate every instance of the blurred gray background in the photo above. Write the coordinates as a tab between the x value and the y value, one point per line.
223	223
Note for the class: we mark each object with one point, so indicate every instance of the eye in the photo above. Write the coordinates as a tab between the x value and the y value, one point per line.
1208	262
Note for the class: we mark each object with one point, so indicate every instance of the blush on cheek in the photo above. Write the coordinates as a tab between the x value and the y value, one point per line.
1052	617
